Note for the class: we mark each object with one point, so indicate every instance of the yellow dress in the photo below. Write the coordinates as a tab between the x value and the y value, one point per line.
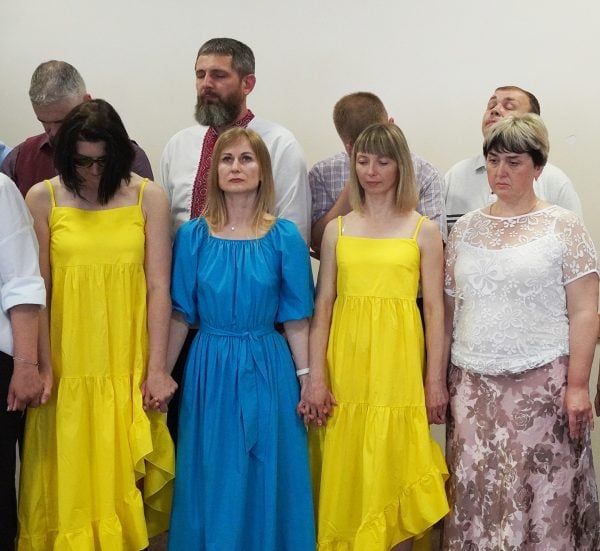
97	469
378	476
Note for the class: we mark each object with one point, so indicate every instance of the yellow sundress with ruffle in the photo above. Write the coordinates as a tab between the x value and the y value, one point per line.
378	475
97	469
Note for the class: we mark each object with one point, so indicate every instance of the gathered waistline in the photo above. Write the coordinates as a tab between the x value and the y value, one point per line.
220	332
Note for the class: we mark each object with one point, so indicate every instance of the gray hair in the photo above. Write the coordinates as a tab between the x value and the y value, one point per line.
242	58
524	133
54	81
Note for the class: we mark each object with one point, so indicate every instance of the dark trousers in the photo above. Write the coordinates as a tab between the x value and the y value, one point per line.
11	431
173	411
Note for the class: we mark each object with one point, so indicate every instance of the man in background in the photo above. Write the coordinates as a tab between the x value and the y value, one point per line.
467	186
56	88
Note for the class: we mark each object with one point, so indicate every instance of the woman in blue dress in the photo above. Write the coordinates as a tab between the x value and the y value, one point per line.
242	463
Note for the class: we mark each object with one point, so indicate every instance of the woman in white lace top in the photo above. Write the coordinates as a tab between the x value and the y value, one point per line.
521	296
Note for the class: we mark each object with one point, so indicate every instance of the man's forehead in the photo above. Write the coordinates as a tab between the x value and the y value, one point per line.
214	61
56	111
511	94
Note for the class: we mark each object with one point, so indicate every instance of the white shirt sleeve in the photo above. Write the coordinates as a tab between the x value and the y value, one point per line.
20	280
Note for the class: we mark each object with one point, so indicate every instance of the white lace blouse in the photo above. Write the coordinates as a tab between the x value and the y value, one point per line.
508	279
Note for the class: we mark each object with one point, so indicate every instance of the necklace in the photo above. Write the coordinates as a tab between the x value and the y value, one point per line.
533	207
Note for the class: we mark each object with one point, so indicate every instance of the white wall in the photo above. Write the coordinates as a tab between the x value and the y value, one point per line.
433	62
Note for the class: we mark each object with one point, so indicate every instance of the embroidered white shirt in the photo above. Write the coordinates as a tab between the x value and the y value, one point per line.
508	278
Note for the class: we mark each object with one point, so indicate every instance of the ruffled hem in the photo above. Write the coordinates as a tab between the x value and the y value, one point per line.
410	515
154	459
394	448
64	504
106	534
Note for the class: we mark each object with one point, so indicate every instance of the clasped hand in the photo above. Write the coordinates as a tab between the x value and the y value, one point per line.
316	401
157	391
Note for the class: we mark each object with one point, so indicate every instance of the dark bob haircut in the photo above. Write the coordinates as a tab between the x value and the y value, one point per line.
94	121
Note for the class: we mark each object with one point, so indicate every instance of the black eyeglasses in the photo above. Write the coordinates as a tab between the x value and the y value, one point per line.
86	162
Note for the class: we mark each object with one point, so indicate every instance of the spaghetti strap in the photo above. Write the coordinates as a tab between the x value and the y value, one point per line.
142	188
339	219
51	190
419	226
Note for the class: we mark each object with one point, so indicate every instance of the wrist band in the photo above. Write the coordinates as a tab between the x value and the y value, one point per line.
304	371
25	361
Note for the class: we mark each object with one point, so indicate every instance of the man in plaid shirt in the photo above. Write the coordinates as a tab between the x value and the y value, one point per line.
351	115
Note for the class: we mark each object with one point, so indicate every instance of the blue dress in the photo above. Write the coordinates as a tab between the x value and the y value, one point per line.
242	477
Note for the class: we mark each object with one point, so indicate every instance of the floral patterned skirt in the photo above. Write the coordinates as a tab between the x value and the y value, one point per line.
517	480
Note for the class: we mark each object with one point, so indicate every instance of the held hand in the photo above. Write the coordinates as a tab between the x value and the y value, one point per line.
579	411
157	390
436	401
48	381
25	388
319	402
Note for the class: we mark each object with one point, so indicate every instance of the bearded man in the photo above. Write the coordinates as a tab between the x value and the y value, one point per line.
224	78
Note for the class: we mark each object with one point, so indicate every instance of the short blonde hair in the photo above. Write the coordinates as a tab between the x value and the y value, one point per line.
215	210
388	140
524	133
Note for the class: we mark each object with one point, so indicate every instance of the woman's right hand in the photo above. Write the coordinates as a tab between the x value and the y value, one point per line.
157	390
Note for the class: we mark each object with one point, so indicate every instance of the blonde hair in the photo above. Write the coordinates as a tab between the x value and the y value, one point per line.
525	133
215	210
387	140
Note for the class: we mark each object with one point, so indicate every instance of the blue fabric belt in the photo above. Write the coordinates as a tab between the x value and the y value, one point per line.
251	364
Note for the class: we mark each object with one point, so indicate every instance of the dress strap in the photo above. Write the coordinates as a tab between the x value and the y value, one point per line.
419	223
142	188
51	190
339	219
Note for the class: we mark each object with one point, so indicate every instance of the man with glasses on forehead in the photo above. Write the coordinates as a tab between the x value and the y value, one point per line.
56	88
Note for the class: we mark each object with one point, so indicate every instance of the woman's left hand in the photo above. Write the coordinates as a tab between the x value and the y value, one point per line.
157	390
436	401
579	411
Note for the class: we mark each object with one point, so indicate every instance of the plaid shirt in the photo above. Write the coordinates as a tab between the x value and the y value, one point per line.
328	177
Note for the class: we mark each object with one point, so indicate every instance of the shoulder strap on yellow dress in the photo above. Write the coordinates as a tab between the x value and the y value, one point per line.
419	223
339	219
51	190
142	188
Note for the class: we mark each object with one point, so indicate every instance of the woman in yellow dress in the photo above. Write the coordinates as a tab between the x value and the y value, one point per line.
97	469
378	475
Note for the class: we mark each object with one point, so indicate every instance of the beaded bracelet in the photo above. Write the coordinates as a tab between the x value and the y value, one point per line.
25	361
304	371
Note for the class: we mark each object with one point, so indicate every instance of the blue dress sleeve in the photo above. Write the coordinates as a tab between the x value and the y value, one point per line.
297	289
186	255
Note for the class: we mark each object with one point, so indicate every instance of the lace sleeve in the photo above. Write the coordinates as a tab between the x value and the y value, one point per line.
456	236
579	253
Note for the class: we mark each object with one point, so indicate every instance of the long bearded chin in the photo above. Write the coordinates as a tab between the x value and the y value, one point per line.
217	114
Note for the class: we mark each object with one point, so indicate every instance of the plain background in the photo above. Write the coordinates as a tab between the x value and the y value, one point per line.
434	63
